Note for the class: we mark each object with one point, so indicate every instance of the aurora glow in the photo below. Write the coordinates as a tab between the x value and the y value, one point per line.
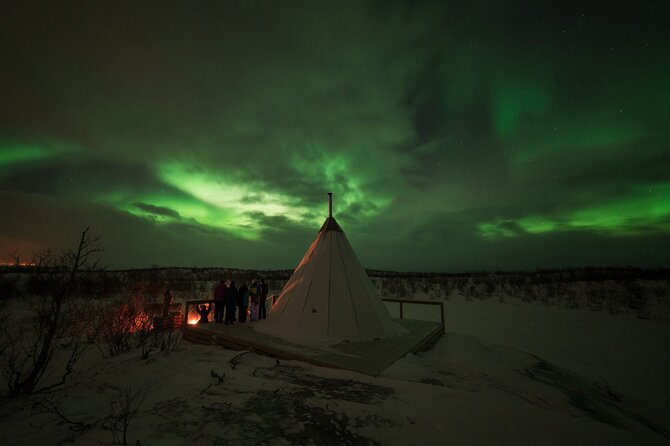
645	210
454	135
12	153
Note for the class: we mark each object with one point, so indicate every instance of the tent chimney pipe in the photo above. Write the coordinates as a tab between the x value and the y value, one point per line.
330	204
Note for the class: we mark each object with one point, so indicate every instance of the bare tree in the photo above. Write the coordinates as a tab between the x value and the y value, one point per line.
122	411
30	348
15	255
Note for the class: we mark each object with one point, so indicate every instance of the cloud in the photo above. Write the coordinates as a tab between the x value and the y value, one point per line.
157	210
432	122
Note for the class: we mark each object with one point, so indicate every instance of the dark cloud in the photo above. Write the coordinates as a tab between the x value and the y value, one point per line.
80	174
157	210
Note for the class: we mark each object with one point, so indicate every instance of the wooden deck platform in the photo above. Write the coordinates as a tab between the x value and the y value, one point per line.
370	357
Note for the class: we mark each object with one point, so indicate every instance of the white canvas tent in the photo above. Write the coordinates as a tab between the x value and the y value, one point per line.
329	295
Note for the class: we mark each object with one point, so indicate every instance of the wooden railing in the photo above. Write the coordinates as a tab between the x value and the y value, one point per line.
401	302
162	319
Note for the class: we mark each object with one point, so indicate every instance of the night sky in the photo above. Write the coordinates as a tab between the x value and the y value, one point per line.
455	135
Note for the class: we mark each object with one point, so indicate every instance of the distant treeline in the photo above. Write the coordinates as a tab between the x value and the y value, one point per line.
642	291
194	282
586	273
598	288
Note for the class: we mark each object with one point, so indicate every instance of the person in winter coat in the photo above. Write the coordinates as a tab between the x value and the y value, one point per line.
255	298
203	311
219	298
165	321
263	289
231	303
243	303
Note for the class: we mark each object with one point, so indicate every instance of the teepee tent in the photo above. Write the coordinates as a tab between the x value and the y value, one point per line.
329	295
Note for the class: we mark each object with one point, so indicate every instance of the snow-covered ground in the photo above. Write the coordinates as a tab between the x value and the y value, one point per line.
505	373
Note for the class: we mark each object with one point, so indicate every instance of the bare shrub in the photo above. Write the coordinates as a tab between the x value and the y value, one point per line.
48	404
10	287
137	321
527	292
159	329
122	411
637	299
595	297
571	300
4	322
219	380
23	365
613	297
150	338
436	293
475	288
116	324
28	349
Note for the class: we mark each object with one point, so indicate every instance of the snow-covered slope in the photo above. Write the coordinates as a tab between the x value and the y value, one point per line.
503	374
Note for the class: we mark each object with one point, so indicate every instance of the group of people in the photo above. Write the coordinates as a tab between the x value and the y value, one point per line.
232	304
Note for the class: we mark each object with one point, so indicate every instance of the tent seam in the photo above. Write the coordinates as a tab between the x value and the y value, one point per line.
330	271
309	287
370	298
351	298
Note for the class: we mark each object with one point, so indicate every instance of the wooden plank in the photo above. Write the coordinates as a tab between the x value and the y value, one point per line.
412	301
370	357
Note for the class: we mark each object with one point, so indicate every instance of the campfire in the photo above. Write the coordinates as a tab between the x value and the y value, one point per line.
193	315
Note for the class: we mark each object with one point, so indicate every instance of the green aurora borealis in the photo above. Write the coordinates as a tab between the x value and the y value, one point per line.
455	135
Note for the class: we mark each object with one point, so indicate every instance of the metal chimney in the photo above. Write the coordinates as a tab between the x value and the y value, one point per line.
330	204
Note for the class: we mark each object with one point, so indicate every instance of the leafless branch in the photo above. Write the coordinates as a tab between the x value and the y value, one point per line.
15	256
49	405
25	359
123	409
